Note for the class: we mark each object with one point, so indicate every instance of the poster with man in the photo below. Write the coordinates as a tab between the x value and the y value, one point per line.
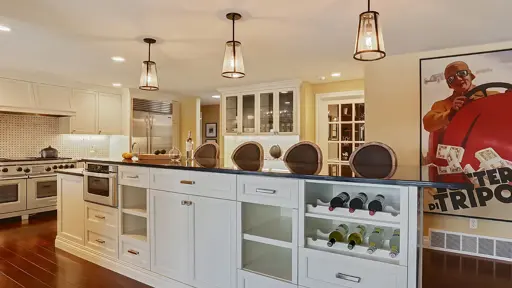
466	111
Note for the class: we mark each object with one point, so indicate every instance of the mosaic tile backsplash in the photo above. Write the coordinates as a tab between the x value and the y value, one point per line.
26	135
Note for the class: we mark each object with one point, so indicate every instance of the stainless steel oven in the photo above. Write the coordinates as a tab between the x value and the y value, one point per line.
100	184
41	191
13	193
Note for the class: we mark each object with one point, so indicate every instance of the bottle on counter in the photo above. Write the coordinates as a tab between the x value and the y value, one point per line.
189	146
377	204
356	237
376	240
394	243
358	202
338	235
339	201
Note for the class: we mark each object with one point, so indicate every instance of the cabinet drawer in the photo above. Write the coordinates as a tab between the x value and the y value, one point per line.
133	176
101	219
134	254
319	269
101	243
170	180
269	191
250	280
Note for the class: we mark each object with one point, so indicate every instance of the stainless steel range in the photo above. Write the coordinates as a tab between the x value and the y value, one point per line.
29	185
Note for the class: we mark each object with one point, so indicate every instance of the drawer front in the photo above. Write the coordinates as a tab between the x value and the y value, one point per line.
170	180
214	185
101	219
326	270
101	243
133	176
134	254
269	191
250	280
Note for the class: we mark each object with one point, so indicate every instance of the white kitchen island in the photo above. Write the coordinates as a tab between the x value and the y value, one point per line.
178	226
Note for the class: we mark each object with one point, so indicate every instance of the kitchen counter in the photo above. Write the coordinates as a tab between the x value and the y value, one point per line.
405	175
72	171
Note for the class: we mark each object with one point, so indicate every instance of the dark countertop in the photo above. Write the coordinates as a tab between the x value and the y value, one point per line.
73	171
404	175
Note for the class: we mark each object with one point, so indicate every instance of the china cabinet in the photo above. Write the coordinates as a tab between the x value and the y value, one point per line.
262	109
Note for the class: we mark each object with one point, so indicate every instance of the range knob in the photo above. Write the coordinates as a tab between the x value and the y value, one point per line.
72	166
19	169
48	169
55	167
66	166
5	170
26	170
61	166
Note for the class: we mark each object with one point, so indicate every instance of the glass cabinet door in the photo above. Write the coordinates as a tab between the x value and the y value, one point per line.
286	112
231	114
266	112
248	113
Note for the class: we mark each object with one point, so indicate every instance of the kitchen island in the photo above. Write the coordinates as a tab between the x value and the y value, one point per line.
197	224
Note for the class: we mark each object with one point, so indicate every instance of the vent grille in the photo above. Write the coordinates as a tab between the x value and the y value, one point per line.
475	245
152	106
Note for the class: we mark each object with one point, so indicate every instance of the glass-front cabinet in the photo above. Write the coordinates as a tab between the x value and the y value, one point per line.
261	110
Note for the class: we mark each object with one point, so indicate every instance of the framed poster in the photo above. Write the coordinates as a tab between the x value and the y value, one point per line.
465	103
211	130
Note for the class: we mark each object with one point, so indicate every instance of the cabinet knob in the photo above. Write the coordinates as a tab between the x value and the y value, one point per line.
100	241
99	217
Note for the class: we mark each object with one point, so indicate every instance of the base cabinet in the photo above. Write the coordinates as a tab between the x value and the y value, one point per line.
70	203
250	280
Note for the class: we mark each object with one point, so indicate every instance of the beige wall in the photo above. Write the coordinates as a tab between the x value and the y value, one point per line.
210	114
392	96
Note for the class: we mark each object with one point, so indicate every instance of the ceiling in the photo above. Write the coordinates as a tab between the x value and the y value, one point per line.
75	39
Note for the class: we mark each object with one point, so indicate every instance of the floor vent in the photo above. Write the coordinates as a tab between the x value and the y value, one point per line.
475	245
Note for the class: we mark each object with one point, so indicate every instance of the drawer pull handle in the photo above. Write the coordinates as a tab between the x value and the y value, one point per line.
266	191
99	217
100	241
133	177
185	202
133	252
188	182
348	277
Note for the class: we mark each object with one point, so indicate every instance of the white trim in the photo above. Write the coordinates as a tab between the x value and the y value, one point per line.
261	86
28	212
119	266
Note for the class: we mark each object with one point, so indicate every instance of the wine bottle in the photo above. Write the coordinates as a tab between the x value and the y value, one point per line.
358	202
376	240
356	237
339	201
394	243
189	145
377	204
338	235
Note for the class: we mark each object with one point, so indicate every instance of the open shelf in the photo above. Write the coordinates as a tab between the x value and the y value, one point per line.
140	212
134	227
267	260
136	235
276	232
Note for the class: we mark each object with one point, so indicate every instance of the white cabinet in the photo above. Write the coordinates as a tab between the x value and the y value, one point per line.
70	207
84	103
14	93
109	114
251	280
51	97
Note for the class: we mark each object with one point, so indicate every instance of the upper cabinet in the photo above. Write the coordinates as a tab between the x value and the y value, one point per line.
269	108
16	94
109	114
50	97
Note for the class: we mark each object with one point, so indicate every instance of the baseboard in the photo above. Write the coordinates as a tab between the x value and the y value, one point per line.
27	212
121	267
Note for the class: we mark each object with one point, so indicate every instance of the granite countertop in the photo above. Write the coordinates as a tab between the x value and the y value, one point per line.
72	171
404	175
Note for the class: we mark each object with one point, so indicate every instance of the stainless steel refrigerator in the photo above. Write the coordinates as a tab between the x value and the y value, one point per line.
151	125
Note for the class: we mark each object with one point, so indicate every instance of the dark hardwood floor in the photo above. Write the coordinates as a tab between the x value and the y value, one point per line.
28	258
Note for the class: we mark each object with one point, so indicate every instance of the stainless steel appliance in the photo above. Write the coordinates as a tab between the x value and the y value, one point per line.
100	184
151	126
29	185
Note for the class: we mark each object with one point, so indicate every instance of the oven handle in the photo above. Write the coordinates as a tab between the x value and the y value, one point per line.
100	175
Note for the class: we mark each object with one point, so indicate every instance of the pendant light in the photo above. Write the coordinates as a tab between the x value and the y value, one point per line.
369	42
148	76
233	66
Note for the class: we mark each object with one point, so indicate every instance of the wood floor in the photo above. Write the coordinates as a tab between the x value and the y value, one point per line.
28	258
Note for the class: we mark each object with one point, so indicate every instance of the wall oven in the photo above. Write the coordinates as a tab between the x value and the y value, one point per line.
13	194
100	184
41	191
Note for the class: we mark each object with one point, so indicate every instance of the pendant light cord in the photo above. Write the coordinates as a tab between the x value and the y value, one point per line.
369	5
234	45
149	52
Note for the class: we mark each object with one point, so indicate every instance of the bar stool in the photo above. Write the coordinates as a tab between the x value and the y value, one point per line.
373	160
304	158
207	155
248	156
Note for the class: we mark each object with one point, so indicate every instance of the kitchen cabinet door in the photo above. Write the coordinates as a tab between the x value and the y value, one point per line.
286	112
50	97
70	208
85	105
213	252
230	115
169	226
109	114
16	94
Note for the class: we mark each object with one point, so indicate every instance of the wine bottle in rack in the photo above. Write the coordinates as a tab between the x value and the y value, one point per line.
376	240
358	202
394	244
338	235
339	201
356	237
377	204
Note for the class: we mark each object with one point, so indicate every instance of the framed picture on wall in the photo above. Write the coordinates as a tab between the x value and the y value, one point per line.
211	130
210	141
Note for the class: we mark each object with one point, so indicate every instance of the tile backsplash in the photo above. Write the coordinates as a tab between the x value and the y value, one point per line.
26	135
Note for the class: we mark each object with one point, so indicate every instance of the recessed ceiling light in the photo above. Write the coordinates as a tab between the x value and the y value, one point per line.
337	74
5	28
216	96
118	59
287	102
117	84
321	77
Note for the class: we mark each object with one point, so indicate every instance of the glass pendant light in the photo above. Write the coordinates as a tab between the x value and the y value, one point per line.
233	66
369	42
148	76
